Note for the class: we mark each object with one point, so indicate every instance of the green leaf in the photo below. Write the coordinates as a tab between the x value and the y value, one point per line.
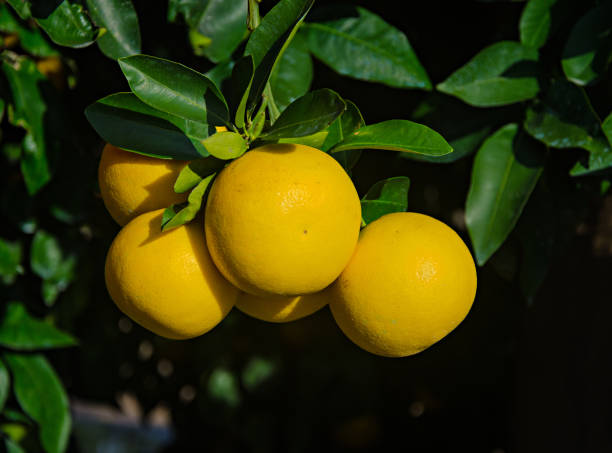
505	171
20	331
41	395
222	22
176	89
384	197
10	261
565	119
396	135
503	73
587	53
12	447
239	88
220	72
125	121
308	114
34	43
180	214
195	171
34	164
22	8
226	145
355	42
606	126
121	36
5	385
292	75
257	371
269	40
223	386
45	255
540	19
64	274
66	23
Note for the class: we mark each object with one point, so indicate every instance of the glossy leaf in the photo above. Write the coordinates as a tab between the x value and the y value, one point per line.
503	73
357	43
66	23
10	261
177	215
118	19
292	76
384	197
565	119
225	145
195	171
5	384
41	395
176	89
505	172
596	161
540	19
588	50
45	254
396	135
20	331
220	72
268	41
308	114
125	121
239	88
21	7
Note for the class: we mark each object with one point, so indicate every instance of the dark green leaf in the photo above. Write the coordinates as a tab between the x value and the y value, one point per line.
220	72
505	171
12	447
178	215
396	135
5	384
503	73
34	43
118	18
384	197
239	87
41	395
292	75
20	331
196	171
358	43
225	145
269	40
175	89
607	128
34	164
257	371
45	255
587	52
596	161
67	24
63	276
22	8
540	19
565	119
10	261
310	113
124	121
223	386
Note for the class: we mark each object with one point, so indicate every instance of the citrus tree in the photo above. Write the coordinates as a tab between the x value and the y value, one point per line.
526	121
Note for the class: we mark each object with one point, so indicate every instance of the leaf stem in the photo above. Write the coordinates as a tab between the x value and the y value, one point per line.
253	18
272	108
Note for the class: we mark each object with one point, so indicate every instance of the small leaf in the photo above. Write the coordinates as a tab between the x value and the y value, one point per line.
177	215
5	385
540	19
120	22
384	197
67	24
565	119
607	128
239	88
176	89
21	7
311	113
10	261
269	40
45	255
503	73
292	75
587	53
223	386
20	331
505	171
225	145
257	371
396	135
128	123
195	171
355	42
12	447
41	395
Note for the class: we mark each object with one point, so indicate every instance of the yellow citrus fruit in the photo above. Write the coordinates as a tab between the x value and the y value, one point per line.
280	308
132	184
166	281
410	282
282	219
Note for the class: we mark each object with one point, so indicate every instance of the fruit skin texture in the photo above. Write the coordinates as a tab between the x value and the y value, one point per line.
281	309
411	281
166	282
282	219
132	184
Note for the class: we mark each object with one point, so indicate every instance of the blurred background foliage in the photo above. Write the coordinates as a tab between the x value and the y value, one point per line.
522	90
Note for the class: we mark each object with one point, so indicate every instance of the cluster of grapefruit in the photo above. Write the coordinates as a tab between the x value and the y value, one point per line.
279	238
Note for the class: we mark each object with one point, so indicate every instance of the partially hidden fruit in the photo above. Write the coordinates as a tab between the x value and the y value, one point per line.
132	184
411	281
282	219
166	282
281	308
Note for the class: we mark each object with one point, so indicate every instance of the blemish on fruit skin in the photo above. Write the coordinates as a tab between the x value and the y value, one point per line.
305	231
426	271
